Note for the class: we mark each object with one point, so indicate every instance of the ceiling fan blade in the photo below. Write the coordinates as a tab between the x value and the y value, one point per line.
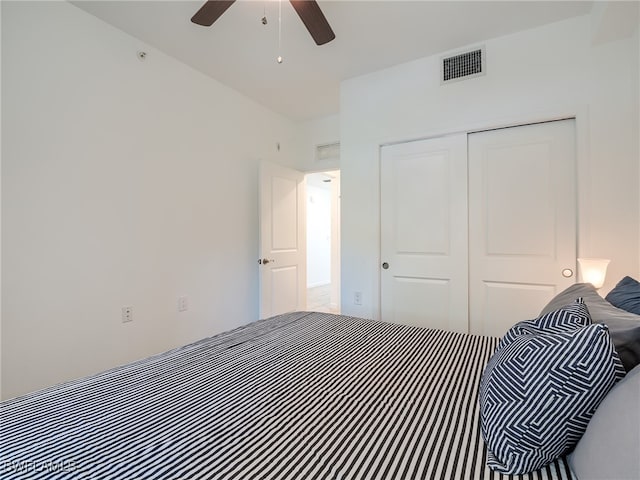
315	21
211	11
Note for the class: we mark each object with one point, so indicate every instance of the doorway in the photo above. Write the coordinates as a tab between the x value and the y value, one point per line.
323	241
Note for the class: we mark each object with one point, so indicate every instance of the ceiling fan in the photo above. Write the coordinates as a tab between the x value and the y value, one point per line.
308	11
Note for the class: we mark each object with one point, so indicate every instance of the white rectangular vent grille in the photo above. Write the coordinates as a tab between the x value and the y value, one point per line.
328	152
463	65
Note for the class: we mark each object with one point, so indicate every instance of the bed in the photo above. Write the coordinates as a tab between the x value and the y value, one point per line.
299	396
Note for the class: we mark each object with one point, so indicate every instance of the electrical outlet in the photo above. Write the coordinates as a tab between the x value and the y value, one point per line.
183	303
127	314
357	298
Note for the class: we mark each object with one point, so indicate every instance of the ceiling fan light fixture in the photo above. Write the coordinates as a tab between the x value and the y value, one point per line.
308	10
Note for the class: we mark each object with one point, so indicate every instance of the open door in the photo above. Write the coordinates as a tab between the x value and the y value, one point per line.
282	262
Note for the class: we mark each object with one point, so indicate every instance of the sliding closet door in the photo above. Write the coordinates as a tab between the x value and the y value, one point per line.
424	233
522	222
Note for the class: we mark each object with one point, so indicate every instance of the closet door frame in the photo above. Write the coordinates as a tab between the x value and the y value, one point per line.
578	113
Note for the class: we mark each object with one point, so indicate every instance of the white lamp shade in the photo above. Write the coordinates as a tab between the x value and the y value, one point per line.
593	270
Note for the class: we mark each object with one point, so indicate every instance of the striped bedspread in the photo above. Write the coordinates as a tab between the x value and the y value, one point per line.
299	396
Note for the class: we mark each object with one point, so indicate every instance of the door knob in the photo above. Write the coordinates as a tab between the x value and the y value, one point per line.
264	261
385	265
567	273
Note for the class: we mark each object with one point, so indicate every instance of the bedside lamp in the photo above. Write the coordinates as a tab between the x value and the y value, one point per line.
593	270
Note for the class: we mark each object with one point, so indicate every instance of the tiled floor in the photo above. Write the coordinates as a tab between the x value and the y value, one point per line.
319	299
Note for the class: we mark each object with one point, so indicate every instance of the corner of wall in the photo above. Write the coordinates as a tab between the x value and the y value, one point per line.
635	100
1	363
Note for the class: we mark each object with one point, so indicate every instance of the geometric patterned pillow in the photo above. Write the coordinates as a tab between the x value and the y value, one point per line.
538	393
565	319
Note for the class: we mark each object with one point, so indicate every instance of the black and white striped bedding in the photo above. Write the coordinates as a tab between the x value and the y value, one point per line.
300	396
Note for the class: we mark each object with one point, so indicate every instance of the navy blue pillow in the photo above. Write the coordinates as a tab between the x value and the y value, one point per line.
626	295
541	388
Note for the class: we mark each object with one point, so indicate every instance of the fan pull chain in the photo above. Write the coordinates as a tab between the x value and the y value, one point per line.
264	14
279	59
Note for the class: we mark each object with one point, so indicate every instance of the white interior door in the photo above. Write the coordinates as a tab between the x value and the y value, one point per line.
424	233
282	240
522	221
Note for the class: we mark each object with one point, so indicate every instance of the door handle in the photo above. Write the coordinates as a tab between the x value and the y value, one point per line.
567	273
264	261
385	265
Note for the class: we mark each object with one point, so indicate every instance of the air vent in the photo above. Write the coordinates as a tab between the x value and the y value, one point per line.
463	65
328	152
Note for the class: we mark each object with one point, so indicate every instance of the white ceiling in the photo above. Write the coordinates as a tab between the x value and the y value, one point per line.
370	35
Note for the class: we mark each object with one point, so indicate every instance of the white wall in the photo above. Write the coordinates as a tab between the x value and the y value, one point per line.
123	183
635	98
531	75
0	209
319	131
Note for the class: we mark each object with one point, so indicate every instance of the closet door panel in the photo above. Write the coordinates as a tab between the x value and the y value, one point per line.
422	301
518	192
511	302
424	233
522	221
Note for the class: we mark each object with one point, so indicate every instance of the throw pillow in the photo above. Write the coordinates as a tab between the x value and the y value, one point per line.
565	319
626	295
624	327
610	447
539	391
